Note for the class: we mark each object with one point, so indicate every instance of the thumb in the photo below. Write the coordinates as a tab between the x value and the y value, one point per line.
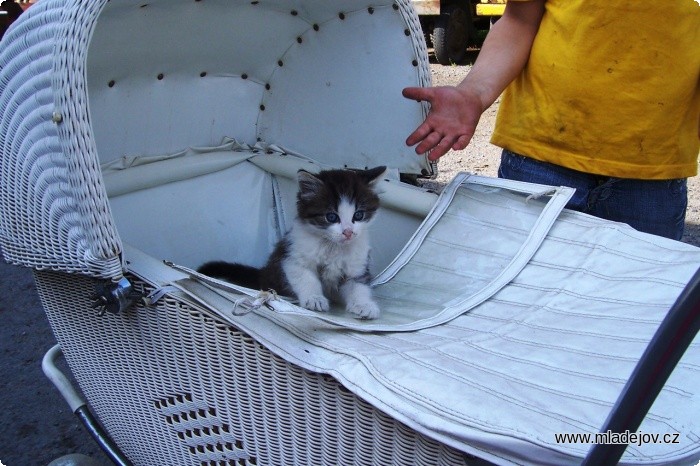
418	93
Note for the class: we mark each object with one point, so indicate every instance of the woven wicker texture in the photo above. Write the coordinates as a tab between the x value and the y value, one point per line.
54	213
176	386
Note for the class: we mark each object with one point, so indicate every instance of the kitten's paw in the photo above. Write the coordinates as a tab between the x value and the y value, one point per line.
315	303
365	310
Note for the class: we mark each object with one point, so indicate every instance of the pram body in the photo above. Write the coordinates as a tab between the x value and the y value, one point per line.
141	139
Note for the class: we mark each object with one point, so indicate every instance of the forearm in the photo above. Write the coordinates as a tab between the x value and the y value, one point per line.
455	110
505	51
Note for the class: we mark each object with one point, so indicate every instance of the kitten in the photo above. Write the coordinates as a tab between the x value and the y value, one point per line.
326	252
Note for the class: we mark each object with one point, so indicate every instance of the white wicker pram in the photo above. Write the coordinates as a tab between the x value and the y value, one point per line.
141	139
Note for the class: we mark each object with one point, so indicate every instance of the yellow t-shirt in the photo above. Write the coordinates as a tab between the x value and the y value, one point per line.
612	87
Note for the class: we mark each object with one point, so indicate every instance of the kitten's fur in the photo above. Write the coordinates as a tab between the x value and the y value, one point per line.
326	252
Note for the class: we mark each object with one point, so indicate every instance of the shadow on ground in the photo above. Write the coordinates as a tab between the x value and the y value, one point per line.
36	425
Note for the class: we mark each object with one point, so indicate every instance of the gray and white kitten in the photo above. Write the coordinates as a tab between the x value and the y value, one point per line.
325	255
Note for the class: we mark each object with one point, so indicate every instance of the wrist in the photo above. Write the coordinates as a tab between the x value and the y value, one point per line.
474	92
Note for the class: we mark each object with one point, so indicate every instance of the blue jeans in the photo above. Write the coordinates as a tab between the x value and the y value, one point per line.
653	206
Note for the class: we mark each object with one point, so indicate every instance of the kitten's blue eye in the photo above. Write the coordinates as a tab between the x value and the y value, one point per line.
359	215
332	217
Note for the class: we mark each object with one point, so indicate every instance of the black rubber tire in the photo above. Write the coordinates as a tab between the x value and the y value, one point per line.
451	35
439	40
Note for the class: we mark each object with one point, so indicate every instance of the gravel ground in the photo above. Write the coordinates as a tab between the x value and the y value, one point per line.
482	158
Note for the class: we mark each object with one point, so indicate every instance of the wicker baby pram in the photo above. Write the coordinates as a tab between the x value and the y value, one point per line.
141	139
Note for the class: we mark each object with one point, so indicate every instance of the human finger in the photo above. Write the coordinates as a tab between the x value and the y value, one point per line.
418	93
440	149
462	142
419	134
428	142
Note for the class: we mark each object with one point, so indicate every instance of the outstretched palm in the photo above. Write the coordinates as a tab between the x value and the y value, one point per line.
451	122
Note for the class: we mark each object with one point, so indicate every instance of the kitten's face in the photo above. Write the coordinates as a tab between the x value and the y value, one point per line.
338	204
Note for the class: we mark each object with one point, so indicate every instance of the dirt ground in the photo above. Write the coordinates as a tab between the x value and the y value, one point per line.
482	158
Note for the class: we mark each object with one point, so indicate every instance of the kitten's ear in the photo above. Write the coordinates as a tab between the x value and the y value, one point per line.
309	184
372	175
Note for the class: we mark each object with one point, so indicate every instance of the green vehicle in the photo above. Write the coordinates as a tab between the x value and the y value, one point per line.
452	25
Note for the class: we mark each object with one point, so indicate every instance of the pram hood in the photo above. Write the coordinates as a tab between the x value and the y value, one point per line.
97	81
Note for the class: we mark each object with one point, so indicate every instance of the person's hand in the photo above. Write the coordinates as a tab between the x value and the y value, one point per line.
451	122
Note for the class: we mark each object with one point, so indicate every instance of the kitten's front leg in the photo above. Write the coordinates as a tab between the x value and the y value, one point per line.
358	300
306	286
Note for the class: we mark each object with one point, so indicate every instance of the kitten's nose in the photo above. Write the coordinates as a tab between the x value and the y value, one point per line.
347	233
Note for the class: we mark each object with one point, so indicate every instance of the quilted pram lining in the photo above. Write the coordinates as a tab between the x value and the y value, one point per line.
232	202
433	273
